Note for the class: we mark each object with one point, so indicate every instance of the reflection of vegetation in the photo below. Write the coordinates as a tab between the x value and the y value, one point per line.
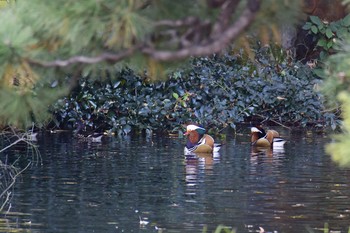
9	172
8	177
216	91
221	229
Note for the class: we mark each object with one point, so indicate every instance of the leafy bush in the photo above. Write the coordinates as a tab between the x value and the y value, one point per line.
326	34
215	91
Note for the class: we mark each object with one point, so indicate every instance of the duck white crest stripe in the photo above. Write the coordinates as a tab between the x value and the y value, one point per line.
255	130
193	127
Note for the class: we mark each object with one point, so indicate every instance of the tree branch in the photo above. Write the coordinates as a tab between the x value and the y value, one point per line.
110	57
216	44
196	40
189	21
227	9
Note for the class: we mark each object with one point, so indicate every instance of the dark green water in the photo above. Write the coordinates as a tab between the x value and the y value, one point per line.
110	186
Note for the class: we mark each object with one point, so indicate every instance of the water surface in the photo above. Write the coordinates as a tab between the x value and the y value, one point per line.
140	184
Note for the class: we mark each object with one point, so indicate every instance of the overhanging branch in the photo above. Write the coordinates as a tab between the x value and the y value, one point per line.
109	57
216	44
199	44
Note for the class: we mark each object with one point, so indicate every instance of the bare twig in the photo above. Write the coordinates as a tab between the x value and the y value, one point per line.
6	201
278	123
12	144
10	172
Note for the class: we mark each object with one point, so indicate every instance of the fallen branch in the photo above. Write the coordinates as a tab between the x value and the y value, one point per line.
9	172
12	144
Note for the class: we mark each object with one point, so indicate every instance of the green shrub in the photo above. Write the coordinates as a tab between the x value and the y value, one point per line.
327	34
215	91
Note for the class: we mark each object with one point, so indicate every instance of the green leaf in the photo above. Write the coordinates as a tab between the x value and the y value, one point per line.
334	26
342	33
175	95
314	29
322	43
320	27
330	44
329	33
316	20
346	21
307	26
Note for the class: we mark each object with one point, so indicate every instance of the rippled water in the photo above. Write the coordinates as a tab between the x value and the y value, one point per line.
138	184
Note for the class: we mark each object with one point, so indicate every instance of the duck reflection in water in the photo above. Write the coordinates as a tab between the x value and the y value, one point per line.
197	165
255	151
201	153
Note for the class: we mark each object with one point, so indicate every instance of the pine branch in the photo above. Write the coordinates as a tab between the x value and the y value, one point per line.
193	41
217	41
109	57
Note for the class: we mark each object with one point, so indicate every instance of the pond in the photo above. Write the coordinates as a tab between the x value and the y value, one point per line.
142	184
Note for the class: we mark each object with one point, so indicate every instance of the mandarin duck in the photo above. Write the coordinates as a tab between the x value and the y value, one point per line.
269	138
198	141
78	133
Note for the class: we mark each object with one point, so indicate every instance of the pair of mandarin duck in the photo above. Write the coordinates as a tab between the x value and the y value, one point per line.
200	142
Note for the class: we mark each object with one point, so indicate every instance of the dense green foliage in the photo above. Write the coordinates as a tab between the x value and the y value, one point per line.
326	34
41	43
214	91
329	38
340	149
335	37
